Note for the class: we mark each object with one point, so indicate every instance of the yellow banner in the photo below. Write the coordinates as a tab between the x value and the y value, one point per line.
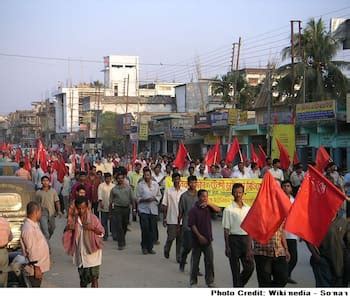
219	190
285	133
143	132
233	116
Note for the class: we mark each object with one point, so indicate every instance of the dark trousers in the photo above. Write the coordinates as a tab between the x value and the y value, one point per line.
208	263
293	250
238	246
119	222
104	222
94	207
36	283
172	235
322	272
186	245
271	271
148	224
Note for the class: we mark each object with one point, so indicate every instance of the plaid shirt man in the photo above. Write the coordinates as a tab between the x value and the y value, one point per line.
273	248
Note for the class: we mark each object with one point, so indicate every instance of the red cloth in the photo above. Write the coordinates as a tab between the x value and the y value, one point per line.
315	205
60	168
94	182
322	159
213	155
269	210
262	156
253	156
180	160
232	152
27	164
41	156
18	156
296	158
284	155
91	240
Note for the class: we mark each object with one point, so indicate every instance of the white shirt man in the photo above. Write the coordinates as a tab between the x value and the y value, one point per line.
171	211
277	174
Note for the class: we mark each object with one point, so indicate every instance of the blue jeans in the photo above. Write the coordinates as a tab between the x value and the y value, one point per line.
104	222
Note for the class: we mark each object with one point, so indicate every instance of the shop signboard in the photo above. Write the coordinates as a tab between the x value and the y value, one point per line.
316	111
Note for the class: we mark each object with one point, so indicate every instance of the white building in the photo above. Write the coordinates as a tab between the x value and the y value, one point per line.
158	89
121	74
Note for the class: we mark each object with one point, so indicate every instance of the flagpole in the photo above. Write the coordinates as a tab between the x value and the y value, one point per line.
240	155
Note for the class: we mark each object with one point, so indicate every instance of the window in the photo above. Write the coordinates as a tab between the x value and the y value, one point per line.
129	66
117	66
116	90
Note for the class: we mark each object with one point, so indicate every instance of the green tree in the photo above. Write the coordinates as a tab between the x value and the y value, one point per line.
107	131
225	86
324	78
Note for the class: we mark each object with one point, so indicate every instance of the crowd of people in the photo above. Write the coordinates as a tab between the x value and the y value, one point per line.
99	197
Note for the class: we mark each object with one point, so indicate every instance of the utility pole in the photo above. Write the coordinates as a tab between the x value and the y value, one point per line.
97	112
269	105
238	53
233	56
127	93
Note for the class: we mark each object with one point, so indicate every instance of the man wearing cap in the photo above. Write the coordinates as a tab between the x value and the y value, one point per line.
5	237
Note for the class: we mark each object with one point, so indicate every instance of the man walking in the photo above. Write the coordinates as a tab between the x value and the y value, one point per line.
290	237
5	237
187	201
271	261
238	244
86	243
34	245
104	191
199	220
50	204
170	215
148	197
120	200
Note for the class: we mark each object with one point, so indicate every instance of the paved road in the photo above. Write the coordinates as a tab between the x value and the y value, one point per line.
129	268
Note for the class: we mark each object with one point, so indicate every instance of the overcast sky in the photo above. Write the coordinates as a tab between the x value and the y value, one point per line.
179	33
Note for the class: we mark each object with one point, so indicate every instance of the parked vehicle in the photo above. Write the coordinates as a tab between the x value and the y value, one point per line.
17	275
15	194
8	168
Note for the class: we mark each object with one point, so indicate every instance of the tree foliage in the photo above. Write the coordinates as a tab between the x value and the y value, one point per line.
324	78
227	84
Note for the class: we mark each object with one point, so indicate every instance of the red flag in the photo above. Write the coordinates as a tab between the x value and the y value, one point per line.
315	205
253	156
180	160
18	155
262	156
269	210
41	156
232	152
296	158
213	155
60	168
3	147
322	159
284	156
27	164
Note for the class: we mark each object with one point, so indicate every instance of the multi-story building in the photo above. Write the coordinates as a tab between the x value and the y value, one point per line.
121	75
4	126
24	127
158	89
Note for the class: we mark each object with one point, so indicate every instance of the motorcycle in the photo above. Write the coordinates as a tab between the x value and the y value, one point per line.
17	275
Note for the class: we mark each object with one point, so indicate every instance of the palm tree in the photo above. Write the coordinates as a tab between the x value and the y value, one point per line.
323	75
227	84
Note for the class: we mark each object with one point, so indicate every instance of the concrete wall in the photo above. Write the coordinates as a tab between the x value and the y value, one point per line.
117	72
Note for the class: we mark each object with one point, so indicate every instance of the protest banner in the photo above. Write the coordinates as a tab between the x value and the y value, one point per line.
219	190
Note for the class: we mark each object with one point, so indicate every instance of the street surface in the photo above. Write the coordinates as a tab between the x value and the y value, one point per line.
129	268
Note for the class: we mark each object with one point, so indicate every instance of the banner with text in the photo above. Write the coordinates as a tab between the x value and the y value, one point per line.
286	135
220	190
